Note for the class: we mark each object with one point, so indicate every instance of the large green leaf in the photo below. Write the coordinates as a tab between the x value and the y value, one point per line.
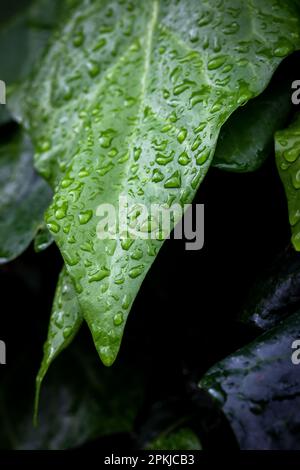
258	389
287	147
246	139
65	321
129	101
24	196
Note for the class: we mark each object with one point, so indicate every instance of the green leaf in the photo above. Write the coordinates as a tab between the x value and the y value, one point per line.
246	139
258	389
181	439
65	321
287	148
129	101
24	196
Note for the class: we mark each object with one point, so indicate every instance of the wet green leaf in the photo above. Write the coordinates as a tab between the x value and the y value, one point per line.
246	139
24	196
65	321
129	102
287	148
258	389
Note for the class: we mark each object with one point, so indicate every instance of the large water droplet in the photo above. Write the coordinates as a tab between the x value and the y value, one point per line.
174	181
136	271
118	319
85	216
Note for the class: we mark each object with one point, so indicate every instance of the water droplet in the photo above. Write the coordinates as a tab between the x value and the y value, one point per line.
53	227
93	69
202	157
194	36
166	128
184	159
99	275
85	216
284	166
174	181
71	258
67	332
126	301
283	48
66	182
118	319
182	87
291	155
137	153
126	243
105	141
181	136
78	39
83	173
136	271
196	180
157	176
205	18
105	169
296	180
137	254
196	143
231	28
216	62
163	159
59	319
44	145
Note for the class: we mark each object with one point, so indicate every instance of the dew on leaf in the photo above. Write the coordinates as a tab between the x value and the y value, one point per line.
53	227
85	216
174	181
181	136
118	319
99	275
216	62
136	271
184	159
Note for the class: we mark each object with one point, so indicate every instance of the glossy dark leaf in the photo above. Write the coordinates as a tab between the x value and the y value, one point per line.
24	37
276	293
258	389
246	139
24	196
